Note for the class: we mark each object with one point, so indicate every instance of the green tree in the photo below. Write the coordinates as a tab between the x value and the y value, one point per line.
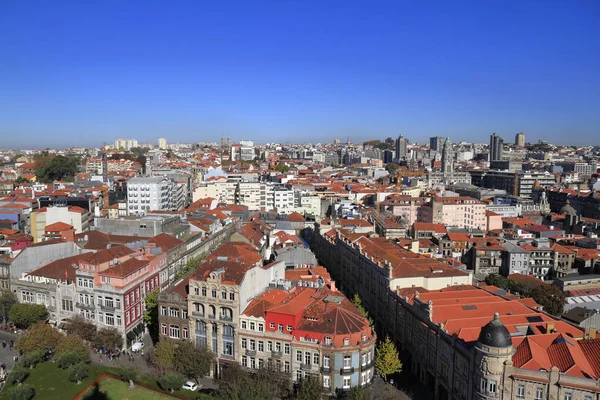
56	168
237	384
39	337
24	315
193	362
109	338
68	359
32	359
81	327
7	299
18	375
550	297
392	168
282	168
309	388
171	381
151	313
24	392
388	360
356	300
356	393
74	344
163	356
20	180
78	372
130	375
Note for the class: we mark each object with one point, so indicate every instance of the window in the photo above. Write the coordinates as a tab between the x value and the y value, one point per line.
228	348
252	326
289	328
363	359
119	322
298	375
285	346
587	397
67	305
261	327
299	356
174	331
568	396
252	345
163	310
347	361
346	342
196	290
224	295
483	385
244	343
326	381
244	361
278	347
214	293
521	391
326	362
272	325
204	291
286	367
252	362
280	327
185	333
174	312
492	387
261	346
307	358
244	325
346	382
316	358
539	393
269	345
163	329
232	295
327	340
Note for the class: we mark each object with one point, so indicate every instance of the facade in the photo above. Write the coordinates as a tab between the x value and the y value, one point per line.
79	218
145	194
436	143
521	181
496	148
284	201
485	258
520	139
401	148
162	143
458	211
255	195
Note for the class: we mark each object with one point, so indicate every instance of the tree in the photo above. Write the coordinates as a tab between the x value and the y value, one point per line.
151	313
130	375
81	327
7	299
193	362
356	300
237	384
78	372
388	361
355	393
18	375
163	356
24	315
20	180
282	168
109	338
49	169
71	358
24	392
392	168
32	359
309	388
39	337
551	297
171	381
74	344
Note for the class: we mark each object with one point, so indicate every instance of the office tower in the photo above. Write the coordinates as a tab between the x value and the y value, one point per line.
496	147
436	143
401	148
447	156
520	139
162	143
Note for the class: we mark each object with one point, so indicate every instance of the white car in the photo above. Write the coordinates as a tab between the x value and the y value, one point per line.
137	346
189	385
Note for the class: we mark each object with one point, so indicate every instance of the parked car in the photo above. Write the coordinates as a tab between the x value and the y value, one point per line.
137	346
191	386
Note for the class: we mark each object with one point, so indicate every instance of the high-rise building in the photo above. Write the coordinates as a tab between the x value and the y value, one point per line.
496	147
125	144
162	143
520	139
401	148
447	158
436	143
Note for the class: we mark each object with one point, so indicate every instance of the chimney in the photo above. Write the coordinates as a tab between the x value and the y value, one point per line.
332	286
549	327
592	333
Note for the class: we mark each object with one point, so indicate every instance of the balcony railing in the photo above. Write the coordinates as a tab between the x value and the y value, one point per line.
276	354
198	314
250	352
226	318
83	305
325	370
105	307
347	370
305	367
212	316
366	366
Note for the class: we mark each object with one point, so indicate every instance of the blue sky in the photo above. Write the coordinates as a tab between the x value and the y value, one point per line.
73	73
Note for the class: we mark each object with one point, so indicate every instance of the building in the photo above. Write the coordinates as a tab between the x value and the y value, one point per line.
457	211
518	183
151	193
520	139
125	144
401	148
436	143
284	200
77	217
496	150
447	158
255	195
162	144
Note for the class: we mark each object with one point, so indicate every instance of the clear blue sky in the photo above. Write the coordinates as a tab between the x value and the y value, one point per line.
74	73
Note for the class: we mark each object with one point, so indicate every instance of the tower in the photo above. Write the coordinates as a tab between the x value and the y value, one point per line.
496	147
493	355
520	139
401	148
447	156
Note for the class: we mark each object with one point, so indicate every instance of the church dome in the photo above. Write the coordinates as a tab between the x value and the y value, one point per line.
495	334
568	209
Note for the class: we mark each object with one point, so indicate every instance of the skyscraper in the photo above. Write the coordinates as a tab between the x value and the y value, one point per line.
401	148
447	159
496	147
162	143
436	143
520	139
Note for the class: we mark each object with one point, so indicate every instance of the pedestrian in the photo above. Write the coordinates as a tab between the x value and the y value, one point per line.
142	352
4	344
100	358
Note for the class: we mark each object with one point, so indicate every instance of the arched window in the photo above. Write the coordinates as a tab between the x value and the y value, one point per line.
204	291
346	342
214	292
224	294
212	311
231	295
196	290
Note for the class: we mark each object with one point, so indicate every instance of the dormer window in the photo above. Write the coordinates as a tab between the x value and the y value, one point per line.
328	340
346	342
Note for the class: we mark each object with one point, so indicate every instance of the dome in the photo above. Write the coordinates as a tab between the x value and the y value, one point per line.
568	209
495	334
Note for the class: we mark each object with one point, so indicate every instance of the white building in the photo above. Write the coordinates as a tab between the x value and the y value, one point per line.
125	144
220	189
145	194
255	195
162	143
283	201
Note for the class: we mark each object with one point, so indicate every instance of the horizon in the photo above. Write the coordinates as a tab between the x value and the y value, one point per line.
81	74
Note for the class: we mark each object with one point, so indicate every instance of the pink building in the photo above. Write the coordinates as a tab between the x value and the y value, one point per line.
458	211
407	207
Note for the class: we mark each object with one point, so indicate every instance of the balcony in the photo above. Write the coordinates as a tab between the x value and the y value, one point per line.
366	366
226	318
211	316
347	370
305	367
251	353
105	307
86	306
276	354
325	370
198	314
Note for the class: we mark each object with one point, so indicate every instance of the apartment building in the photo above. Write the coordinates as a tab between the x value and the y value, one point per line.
152	193
459	211
255	195
79	218
220	189
284	200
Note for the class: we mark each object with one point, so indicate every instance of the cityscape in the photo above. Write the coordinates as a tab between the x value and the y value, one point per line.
300	201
